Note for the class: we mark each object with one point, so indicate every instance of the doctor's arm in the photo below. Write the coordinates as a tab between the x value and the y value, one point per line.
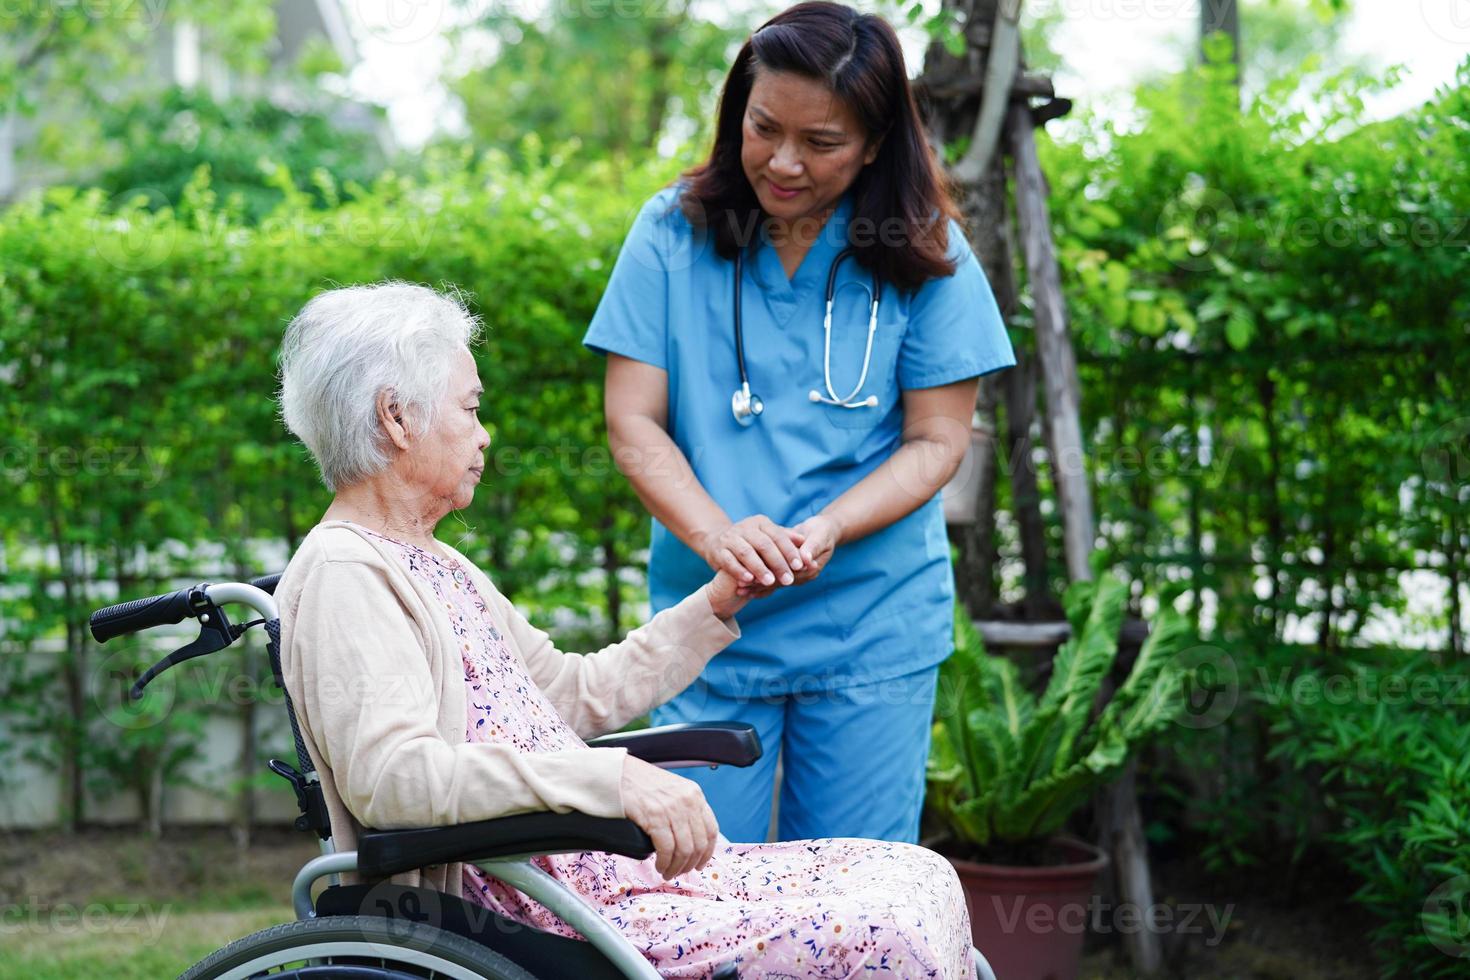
936	433
636	403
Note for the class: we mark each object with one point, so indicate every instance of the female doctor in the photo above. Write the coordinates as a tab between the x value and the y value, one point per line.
794	333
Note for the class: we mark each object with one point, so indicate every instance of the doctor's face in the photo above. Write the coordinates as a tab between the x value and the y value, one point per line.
802	146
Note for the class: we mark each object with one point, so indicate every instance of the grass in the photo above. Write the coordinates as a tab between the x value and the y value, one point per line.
114	905
131	948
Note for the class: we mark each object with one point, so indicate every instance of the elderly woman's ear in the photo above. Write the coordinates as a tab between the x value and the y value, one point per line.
390	417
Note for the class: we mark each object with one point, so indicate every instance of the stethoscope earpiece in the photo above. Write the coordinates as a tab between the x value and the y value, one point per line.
816	396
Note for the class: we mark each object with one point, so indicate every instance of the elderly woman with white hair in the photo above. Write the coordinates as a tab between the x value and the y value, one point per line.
426	698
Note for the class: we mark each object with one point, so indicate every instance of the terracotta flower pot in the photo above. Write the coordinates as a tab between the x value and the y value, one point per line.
1029	921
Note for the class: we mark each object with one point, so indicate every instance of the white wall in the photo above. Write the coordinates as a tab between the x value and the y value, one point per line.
31	791
32	794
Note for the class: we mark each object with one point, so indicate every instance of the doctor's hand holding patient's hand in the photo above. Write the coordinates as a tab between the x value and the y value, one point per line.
759	553
815	538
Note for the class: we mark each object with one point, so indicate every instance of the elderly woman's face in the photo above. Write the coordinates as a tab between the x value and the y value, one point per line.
449	459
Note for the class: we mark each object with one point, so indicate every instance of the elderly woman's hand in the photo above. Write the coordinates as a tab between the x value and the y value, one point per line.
726	597
673	812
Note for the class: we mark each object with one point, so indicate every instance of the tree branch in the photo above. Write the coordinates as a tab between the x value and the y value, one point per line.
47	41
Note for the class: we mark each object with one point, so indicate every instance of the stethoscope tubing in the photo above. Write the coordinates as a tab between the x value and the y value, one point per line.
827	360
746	406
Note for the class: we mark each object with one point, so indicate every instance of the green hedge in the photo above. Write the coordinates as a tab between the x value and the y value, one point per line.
1305	769
1270	307
1388	750
139	345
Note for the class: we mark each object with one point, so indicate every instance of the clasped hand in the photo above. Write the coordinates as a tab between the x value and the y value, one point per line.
762	556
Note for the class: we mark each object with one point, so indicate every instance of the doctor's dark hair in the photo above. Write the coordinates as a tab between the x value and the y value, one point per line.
900	200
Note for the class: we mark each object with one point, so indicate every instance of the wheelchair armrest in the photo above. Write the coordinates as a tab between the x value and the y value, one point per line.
381	853
725	743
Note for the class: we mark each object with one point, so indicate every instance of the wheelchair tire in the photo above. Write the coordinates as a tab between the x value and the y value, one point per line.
349	947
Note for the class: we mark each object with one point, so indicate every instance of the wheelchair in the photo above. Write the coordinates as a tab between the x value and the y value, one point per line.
379	930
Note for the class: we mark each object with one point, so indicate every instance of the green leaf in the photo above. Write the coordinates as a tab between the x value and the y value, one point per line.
1118	277
1218	304
1240	328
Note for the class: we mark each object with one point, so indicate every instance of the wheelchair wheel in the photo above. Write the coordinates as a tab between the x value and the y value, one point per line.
355	947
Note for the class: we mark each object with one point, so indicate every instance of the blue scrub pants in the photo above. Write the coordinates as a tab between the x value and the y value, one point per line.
852	759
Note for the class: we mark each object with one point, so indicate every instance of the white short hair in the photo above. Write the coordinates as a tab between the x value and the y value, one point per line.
345	347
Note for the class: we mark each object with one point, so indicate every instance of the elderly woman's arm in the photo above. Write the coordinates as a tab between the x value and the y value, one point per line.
361	684
603	691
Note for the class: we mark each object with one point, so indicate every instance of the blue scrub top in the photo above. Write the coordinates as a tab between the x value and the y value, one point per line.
884	605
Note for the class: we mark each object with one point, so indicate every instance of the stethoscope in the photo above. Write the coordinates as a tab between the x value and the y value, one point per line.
746	406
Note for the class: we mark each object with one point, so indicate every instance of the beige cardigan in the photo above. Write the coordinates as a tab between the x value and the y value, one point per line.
376	679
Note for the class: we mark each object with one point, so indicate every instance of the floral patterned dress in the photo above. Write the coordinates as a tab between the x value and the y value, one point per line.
835	907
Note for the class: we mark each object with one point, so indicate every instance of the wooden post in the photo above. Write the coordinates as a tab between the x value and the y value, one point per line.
1000	70
1220	16
1123	839
1054	347
949	91
984	207
1020	398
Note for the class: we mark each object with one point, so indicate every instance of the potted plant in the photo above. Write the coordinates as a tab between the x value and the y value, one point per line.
1007	768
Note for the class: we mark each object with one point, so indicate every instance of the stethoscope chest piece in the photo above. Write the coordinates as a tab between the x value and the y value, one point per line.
745	406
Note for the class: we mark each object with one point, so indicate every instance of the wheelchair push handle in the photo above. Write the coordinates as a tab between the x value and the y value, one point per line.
201	602
140	614
169	608
267	583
